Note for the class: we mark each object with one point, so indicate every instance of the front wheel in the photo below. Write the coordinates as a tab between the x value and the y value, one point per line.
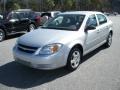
109	40
74	59
2	35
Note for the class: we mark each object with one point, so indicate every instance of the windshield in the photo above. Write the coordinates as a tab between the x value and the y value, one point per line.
71	22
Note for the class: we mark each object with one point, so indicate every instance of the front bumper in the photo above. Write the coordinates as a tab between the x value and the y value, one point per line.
45	62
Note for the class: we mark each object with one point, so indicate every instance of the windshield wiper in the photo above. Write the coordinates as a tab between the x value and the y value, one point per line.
50	27
59	28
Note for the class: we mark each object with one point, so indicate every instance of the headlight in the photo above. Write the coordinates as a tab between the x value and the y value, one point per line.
50	49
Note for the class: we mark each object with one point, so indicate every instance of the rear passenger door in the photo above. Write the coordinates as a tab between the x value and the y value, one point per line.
103	27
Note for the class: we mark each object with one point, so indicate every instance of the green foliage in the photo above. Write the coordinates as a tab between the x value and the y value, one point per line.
32	4
94	4
69	4
12	5
47	5
16	6
50	3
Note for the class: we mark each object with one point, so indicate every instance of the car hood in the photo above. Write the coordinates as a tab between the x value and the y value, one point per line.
41	37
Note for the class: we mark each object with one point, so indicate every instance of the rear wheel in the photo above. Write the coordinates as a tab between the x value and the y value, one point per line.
74	59
109	40
2	35
31	27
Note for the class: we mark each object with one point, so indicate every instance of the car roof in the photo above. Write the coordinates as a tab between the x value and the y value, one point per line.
82	12
53	11
24	10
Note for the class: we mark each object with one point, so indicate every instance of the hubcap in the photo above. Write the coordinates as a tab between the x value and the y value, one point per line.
32	27
1	36
109	39
75	59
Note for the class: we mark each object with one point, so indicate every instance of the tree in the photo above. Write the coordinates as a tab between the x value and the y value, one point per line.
16	6
69	4
58	4
33	5
85	4
48	5
63	5
12	5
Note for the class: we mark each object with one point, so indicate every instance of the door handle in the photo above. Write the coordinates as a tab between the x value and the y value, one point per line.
98	31
107	27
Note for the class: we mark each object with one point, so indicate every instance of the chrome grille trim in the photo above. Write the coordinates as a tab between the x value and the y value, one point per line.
27	49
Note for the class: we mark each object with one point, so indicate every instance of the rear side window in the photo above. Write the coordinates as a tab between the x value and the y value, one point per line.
31	15
21	15
28	15
101	19
56	13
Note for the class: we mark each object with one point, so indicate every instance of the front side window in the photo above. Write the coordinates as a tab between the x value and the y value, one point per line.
101	18
69	22
12	16
91	21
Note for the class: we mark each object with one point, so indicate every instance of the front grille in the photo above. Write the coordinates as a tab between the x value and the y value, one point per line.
27	49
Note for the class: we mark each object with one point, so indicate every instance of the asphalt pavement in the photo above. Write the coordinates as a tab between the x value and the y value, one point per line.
99	71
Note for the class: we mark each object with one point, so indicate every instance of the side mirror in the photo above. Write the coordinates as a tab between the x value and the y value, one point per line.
91	27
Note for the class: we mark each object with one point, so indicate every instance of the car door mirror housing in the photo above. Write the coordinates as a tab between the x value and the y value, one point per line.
91	27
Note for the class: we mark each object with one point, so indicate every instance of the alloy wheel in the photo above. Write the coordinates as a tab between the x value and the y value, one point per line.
31	27
75	59
1	35
109	39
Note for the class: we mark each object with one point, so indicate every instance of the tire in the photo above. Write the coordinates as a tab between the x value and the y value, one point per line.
31	27
74	59
108	41
2	35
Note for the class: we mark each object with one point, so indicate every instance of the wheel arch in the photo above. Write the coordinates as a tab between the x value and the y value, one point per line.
2	28
111	31
32	23
79	46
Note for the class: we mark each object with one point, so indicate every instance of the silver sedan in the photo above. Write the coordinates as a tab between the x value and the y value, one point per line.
64	40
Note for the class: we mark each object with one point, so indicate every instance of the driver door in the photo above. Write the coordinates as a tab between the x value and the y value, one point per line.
92	36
